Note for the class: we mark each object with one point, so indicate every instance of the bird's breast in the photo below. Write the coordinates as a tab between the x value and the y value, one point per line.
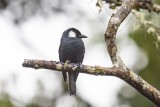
72	50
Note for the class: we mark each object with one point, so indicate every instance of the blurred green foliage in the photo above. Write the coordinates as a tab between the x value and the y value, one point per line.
148	42
5	102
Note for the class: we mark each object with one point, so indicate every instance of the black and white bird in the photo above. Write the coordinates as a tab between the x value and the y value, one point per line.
71	50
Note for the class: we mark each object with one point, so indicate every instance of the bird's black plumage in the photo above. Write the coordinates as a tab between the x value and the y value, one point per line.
71	49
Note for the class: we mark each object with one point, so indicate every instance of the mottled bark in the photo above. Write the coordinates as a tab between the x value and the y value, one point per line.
139	4
124	72
128	76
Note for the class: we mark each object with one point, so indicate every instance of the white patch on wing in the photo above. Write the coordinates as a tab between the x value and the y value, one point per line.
72	34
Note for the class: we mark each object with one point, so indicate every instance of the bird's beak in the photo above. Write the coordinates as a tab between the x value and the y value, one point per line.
83	36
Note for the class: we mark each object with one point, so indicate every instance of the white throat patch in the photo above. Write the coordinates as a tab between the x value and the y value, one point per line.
72	34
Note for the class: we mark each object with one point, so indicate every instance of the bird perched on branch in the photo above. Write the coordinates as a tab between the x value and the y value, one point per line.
71	50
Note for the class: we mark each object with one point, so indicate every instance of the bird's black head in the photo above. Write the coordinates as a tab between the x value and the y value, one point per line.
76	32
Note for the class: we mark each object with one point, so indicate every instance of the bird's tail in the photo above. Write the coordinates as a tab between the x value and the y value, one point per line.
72	82
64	76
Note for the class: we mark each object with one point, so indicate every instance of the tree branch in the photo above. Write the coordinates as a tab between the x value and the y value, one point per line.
110	34
130	77
110	38
139	4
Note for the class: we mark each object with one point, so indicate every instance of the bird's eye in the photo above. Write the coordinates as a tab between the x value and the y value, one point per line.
72	34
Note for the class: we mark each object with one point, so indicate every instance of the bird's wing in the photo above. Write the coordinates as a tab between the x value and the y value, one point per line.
60	52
